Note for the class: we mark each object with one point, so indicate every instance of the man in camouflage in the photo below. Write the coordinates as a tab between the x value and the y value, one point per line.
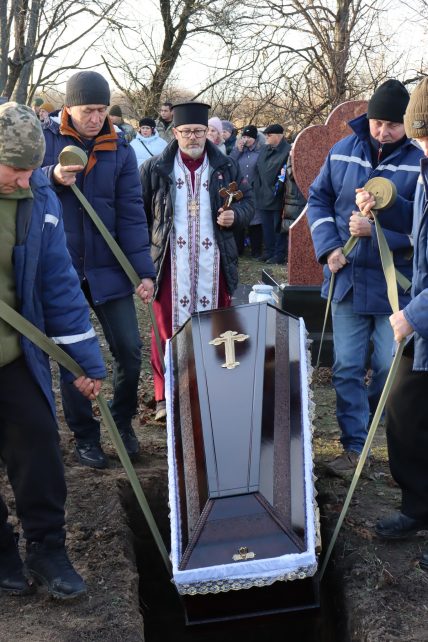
37	279
164	123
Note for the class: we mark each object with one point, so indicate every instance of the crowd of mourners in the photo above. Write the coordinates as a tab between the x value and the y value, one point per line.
263	156
158	192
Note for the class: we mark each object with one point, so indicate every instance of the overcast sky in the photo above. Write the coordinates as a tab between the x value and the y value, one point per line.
197	60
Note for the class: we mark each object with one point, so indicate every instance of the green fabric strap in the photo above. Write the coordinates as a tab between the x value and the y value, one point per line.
32	333
391	282
10	346
122	260
403	281
349	245
364	454
385	252
388	267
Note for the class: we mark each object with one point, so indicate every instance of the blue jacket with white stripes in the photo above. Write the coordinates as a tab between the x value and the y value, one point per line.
332	201
416	312
48	288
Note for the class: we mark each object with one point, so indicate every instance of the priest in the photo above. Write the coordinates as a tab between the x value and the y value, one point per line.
192	230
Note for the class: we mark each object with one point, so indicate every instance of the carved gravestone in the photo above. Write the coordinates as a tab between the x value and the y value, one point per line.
310	150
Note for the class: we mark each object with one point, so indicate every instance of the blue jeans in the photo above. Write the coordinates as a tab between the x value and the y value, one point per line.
275	243
119	323
355	401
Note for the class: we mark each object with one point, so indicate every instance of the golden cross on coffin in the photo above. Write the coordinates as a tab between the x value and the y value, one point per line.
229	338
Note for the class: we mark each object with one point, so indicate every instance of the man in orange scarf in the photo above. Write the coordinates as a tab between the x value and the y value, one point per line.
112	185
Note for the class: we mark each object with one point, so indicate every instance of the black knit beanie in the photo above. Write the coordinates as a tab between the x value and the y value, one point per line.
250	130
148	122
87	88
389	102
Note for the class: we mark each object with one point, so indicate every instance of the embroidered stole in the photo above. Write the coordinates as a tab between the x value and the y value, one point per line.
195	257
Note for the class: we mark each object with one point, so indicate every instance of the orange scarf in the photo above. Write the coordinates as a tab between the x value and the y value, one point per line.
105	142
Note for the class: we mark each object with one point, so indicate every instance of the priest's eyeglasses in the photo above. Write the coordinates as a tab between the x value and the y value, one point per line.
198	133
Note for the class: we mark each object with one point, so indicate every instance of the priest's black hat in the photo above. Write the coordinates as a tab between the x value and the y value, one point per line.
191	114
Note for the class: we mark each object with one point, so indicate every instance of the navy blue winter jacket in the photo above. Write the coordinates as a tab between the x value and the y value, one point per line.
332	201
112	186
416	312
48	289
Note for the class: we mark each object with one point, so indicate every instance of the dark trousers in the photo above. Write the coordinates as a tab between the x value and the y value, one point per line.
29	446
119	323
239	235
256	239
275	243
407	434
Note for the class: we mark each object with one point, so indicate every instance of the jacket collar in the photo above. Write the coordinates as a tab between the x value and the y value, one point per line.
38	179
105	141
360	126
424	174
146	139
165	162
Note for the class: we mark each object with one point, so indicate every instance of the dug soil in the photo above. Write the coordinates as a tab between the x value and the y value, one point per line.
373	591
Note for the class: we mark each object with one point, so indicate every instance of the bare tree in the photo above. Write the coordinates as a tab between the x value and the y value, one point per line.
319	54
142	67
306	57
40	39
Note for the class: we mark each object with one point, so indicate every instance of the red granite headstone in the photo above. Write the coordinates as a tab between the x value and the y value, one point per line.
310	150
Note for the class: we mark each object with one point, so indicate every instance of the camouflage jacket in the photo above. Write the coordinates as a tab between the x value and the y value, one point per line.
165	132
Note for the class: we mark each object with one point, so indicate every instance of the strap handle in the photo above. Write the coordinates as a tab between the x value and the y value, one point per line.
349	246
364	453
27	329
385	252
389	271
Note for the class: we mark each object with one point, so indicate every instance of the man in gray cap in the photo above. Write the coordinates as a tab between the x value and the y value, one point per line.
269	192
37	279
191	275
111	183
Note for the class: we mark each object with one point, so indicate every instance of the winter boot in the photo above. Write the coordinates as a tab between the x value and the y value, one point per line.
130	442
47	562
12	578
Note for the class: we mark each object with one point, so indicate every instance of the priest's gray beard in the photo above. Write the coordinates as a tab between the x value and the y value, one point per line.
195	150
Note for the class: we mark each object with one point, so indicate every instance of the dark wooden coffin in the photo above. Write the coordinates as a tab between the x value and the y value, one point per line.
240	464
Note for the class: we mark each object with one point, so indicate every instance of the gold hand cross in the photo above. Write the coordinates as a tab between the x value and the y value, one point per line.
229	338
